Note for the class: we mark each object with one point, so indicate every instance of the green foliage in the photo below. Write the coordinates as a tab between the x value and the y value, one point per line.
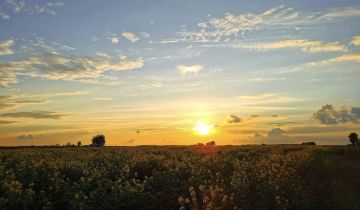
247	177
98	141
353	138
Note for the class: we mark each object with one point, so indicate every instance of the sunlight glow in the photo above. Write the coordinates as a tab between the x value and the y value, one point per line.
202	129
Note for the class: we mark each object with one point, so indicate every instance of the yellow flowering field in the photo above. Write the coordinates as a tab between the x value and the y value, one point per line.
181	177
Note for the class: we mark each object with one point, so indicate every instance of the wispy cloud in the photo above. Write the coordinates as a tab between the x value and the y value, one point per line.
130	36
57	94
103	55
27	137
190	69
145	35
22	6
355	40
7	102
348	57
259	96
102	99
281	17
4	16
6	47
31	102
303	44
7	122
35	115
55	66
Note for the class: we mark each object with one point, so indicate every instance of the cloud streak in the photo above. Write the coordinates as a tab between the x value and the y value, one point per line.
35	115
7	122
281	17
348	57
6	47
54	66
27	137
304	45
130	36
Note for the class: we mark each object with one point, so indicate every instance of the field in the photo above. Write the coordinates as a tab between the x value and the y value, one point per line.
176	177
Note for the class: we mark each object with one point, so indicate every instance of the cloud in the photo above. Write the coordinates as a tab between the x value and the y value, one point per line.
145	35
355	111
35	115
21	6
6	122
304	44
102	99
57	94
17	6
190	69
27	137
130	141
5	105
130	36
14	101
355	41
278	18
318	129
94	38
55	66
233	119
114	39
329	116
349	57
103	55
258	96
6	47
30	102
276	133
4	16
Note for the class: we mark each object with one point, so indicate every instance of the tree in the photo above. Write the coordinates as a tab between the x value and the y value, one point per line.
79	143
211	143
98	141
353	138
310	143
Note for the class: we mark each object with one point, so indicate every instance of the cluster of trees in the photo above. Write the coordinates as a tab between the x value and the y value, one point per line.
211	143
97	141
353	138
310	143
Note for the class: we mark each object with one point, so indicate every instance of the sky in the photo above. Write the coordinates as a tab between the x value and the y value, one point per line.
179	72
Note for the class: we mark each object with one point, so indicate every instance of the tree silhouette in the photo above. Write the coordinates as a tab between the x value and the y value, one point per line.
211	143
353	138
98	141
79	143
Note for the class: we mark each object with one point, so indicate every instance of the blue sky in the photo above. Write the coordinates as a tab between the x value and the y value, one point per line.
72	69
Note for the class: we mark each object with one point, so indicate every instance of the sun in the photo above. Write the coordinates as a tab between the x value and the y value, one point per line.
202	129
